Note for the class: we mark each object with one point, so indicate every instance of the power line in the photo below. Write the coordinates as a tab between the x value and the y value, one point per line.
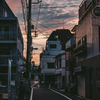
42	25
41	32
38	15
23	10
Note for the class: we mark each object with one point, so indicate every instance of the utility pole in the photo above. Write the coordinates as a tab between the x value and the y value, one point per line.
29	42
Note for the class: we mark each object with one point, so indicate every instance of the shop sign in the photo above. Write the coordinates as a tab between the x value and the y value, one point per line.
78	69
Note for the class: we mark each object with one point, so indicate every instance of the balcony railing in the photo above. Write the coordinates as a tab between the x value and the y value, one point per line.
4	59
7	36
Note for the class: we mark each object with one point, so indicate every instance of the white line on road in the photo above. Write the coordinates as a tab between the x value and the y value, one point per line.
31	94
32	85
61	94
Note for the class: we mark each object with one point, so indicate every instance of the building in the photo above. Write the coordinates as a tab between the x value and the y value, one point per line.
70	63
87	50
54	46
60	71
11	45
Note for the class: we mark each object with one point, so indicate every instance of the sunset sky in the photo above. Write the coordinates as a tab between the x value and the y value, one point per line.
54	14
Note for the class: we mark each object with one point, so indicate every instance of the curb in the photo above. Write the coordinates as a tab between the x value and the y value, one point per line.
71	95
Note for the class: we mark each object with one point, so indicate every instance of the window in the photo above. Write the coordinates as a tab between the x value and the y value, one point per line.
6	28
84	40
51	65
59	64
56	37
5	32
4	51
52	45
79	42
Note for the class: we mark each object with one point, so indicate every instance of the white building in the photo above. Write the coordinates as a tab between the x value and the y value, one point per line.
55	45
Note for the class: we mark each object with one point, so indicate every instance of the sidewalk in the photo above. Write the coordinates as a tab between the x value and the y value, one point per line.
72	96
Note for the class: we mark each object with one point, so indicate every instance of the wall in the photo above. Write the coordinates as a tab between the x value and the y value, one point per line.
85	28
45	59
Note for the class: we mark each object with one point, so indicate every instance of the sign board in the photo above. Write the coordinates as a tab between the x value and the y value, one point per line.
96	11
12	82
78	69
5	95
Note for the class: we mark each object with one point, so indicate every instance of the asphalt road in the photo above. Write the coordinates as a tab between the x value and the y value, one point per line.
46	94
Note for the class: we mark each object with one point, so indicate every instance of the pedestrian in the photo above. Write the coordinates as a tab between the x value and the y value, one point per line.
21	91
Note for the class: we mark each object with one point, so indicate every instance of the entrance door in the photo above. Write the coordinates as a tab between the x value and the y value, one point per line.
81	85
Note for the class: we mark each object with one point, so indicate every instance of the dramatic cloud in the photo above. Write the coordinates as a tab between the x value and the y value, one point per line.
54	14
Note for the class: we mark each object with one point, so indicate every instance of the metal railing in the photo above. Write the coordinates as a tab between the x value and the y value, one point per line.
7	36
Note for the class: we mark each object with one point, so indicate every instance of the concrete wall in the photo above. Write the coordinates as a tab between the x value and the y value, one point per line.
81	85
95	38
53	51
45	59
85	29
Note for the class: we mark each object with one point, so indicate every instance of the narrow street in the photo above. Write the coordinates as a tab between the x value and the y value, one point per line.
46	94
41	93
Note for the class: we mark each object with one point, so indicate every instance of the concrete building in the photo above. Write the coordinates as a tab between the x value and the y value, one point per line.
55	45
87	50
60	71
11	45
70	61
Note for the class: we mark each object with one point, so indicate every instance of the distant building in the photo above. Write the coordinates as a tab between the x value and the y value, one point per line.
11	45
87	50
55	45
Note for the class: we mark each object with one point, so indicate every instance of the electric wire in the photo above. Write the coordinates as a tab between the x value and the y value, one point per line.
38	15
42	25
23	8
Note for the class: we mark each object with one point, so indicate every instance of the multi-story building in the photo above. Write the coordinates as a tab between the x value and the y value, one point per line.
11	45
70	64
55	45
87	50
60	71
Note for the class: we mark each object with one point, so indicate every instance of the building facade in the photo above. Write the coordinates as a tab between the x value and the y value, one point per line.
87	50
60	71
55	45
11	45
70	64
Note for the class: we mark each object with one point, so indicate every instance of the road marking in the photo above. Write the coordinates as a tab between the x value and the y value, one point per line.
32	85
31	94
61	94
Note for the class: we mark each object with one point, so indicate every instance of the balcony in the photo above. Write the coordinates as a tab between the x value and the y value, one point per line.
7	37
4	59
81	49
